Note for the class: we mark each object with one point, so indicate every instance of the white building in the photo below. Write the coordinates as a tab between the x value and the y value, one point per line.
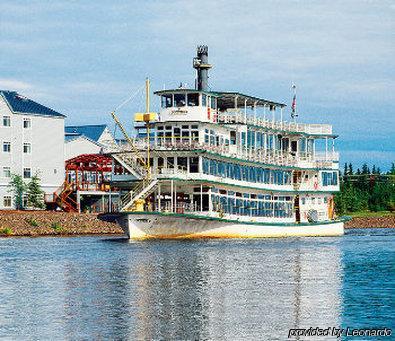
86	139
31	141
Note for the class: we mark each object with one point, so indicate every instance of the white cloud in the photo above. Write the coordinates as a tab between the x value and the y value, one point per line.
14	84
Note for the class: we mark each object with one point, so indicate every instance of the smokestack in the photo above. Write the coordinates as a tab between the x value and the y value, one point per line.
200	63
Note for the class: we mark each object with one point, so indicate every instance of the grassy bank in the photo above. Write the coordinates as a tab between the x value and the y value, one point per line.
47	223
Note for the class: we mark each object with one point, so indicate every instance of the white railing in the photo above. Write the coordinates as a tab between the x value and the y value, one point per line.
239	117
275	157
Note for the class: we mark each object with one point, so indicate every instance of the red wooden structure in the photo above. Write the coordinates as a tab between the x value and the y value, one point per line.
86	172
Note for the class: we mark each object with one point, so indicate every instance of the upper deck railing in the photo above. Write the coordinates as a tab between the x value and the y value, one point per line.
239	117
271	157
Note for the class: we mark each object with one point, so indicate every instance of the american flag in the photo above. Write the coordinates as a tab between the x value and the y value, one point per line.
293	106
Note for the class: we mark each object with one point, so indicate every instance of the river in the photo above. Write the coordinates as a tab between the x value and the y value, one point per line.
107	288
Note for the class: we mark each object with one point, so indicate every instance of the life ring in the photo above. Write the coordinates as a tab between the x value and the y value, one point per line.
315	185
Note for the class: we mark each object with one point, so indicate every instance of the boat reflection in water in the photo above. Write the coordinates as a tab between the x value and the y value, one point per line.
95	289
214	289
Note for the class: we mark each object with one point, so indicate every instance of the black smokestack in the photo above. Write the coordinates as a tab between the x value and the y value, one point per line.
200	63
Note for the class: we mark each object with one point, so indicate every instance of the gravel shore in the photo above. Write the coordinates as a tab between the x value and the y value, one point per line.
48	223
45	223
369	222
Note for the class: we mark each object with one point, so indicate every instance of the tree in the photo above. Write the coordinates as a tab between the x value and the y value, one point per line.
35	195
350	171
345	169
18	188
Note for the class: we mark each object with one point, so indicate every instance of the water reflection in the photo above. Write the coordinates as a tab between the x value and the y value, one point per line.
84	288
226	290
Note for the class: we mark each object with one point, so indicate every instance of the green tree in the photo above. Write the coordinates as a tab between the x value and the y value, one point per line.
345	169
350	170
35	195
17	188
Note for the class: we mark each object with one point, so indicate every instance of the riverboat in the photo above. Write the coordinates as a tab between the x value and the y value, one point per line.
223	164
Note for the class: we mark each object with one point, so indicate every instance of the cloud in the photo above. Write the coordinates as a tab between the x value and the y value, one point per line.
14	84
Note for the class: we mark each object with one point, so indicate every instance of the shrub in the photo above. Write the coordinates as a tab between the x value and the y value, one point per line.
6	231
57	227
32	222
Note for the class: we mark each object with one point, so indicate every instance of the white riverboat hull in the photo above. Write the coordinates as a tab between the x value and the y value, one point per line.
163	226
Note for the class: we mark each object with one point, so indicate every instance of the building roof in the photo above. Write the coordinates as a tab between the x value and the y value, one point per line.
226	99
92	131
19	104
73	137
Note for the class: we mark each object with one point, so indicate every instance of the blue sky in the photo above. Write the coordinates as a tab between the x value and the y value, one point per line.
83	58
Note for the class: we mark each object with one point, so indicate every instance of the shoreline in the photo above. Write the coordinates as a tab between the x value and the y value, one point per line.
62	224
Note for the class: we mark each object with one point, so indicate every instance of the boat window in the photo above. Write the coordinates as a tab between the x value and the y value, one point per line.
185	127
167	101
232	137
193	100
170	162
204	100
179	100
160	162
195	135
159	127
194	126
213	103
182	162
194	165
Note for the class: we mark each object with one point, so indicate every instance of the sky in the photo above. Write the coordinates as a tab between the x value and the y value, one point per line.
83	58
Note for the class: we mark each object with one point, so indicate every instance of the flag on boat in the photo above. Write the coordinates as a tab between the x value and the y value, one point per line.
293	107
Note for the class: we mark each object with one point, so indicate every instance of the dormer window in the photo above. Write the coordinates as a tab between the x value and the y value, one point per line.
193	100
179	100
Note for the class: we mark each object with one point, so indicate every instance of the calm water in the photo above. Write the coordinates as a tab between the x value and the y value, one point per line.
107	288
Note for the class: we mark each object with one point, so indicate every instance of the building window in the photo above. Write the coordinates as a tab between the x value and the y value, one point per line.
6	121
7	202
7	147
27	148
6	172
25	202
27	173
27	123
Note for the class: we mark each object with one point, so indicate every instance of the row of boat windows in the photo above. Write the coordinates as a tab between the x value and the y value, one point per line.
329	178
188	99
185	133
246	173
252	207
